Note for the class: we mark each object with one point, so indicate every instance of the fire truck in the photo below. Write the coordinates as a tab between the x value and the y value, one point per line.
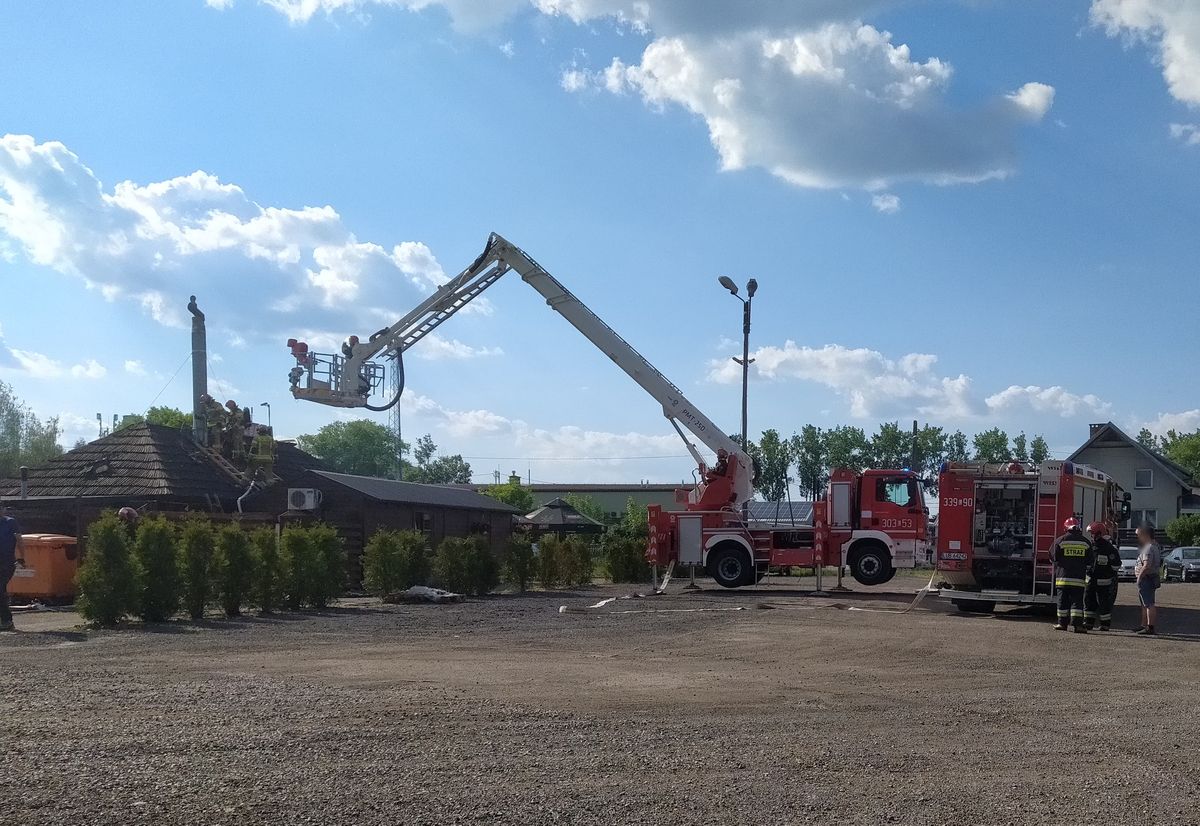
873	522
996	523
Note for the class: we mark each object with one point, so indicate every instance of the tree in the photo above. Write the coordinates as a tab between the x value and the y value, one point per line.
234	568
932	448
1185	530
171	417
808	452
847	447
1039	451
1183	449
956	447
24	438
443	470
774	457
197	543
1147	439
359	447
1020	447
588	506
891	446
158	569
991	446
512	493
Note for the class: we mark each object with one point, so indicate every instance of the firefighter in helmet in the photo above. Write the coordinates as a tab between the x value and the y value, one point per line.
214	420
721	468
1073	554
1101	590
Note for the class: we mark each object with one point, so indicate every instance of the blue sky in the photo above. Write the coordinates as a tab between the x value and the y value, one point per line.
972	213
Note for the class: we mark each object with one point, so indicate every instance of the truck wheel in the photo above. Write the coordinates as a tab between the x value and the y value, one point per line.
973	606
730	567
871	565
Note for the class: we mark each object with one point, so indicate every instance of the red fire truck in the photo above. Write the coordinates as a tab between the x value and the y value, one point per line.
873	522
996	523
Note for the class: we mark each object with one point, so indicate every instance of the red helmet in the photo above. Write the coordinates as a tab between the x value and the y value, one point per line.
1070	523
1098	529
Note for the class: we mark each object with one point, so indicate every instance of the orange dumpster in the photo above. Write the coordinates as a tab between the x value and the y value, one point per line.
51	561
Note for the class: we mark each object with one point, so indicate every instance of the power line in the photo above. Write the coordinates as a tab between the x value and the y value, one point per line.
168	384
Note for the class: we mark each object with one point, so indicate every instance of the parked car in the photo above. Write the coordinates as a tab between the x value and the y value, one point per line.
1129	555
1182	564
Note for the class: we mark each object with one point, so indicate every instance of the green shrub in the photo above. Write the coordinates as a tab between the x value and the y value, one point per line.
1185	530
576	561
452	565
296	562
519	562
483	570
328	580
196	547
234	567
395	561
550	561
107	579
268	577
625	558
159	584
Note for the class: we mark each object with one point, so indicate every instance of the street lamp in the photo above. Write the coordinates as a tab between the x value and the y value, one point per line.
268	406
745	361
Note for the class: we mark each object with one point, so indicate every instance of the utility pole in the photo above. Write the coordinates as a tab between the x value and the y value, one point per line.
745	361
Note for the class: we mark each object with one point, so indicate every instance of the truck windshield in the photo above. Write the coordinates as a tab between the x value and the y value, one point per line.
903	492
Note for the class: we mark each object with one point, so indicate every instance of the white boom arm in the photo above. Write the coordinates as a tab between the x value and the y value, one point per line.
347	380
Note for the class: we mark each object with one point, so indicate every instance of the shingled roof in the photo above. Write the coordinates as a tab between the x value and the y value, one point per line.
147	461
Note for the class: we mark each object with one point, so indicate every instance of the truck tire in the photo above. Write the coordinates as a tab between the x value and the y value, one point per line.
973	606
730	567
871	564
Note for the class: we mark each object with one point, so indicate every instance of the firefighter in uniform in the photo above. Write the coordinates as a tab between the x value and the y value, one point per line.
1101	590
1073	554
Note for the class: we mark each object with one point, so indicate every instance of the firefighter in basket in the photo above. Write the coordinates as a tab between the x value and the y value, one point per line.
1101	590
1073	554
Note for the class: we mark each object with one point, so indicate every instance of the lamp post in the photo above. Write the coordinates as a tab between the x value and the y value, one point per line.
745	361
268	406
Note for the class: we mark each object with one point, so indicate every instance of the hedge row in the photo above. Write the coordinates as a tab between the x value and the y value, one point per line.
166	566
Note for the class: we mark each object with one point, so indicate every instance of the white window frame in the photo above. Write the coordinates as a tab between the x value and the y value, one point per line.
1150	486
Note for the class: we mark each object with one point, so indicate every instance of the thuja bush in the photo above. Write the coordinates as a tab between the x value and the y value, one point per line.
550	559
452	566
328	576
267	574
395	561
296	562
107	579
519	562
577	564
234	568
625	557
197	545
159	583
483	569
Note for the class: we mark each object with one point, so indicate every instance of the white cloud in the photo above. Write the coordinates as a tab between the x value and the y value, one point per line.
1172	27
508	48
75	427
1186	422
838	105
40	366
135	367
153	244
886	203
1055	400
876	385
466	14
434	348
1188	133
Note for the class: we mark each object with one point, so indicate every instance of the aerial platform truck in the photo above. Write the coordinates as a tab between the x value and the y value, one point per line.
997	523
873	522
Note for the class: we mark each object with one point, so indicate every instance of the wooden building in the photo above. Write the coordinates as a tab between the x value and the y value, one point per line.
358	506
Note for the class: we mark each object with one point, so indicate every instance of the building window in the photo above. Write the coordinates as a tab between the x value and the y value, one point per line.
1143	479
423	522
1143	517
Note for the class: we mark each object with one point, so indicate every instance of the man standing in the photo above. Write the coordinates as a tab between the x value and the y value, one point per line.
10	547
1073	554
1146	570
1101	590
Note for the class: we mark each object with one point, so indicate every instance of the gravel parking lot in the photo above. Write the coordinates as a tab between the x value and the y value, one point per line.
756	707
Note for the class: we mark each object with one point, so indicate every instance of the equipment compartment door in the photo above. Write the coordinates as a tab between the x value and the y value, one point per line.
690	530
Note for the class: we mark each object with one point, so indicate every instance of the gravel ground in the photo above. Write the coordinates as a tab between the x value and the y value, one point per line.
686	708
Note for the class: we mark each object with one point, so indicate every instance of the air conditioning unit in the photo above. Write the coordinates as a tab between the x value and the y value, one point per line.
303	499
